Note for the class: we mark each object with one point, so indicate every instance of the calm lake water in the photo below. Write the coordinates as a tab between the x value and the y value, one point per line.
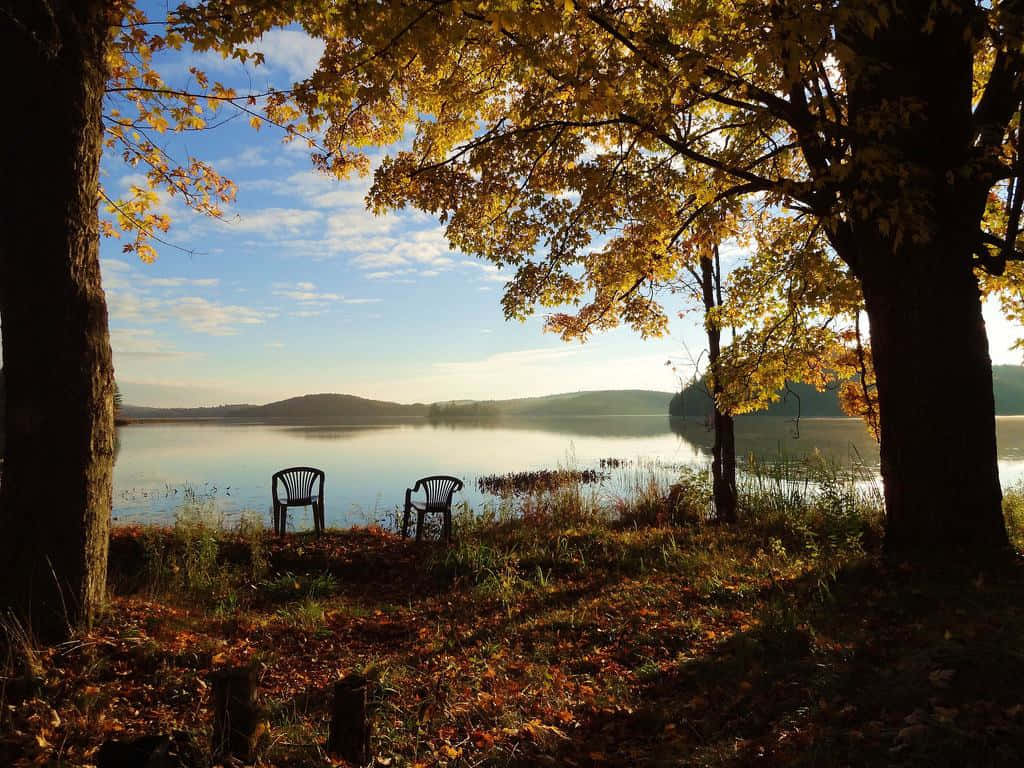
367	469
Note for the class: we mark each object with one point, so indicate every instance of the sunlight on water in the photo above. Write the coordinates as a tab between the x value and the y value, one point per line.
369	468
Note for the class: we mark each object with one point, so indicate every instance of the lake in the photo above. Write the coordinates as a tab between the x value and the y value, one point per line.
229	465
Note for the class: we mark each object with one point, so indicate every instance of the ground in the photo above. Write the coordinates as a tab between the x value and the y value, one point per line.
638	639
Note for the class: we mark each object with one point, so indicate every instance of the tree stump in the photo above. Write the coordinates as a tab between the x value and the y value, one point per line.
237	718
349	735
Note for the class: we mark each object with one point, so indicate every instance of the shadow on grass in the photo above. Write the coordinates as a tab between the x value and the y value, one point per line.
892	670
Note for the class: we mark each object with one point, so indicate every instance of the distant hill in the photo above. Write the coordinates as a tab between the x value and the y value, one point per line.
612	402
799	400
1007	386
323	408
349	409
210	412
693	404
337	409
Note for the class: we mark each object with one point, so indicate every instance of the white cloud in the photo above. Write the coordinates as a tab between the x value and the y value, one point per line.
130	180
178	282
291	52
504	361
115	265
132	307
249	157
490	272
305	293
318	189
378	260
349	224
273	221
202	316
361	301
140	343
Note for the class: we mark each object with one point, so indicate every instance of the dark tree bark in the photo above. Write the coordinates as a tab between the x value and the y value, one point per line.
939	470
238	719
351	728
55	496
723	449
910	239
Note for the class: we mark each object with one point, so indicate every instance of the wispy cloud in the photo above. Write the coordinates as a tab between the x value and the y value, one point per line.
179	282
273	221
202	316
304	293
503	361
248	157
379	260
141	343
488	272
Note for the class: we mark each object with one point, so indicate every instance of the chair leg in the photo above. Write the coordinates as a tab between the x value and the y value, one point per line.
317	529
420	514
448	526
277	519
405	521
284	521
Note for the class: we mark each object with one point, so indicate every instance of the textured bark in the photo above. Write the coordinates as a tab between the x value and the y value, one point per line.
238	719
351	727
943	501
55	496
939	470
723	449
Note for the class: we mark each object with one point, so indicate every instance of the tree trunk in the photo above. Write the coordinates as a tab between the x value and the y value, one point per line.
912	229
55	496
723	450
936	410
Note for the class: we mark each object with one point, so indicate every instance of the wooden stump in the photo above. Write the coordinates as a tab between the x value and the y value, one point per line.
349	736
237	718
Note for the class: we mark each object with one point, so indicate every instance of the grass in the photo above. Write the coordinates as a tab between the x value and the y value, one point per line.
564	627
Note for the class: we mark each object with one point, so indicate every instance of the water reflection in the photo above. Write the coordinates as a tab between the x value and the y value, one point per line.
368	468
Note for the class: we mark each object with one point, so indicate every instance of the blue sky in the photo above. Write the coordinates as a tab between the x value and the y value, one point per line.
302	290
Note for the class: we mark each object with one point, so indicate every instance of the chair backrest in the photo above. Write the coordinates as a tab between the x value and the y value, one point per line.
439	489
298	482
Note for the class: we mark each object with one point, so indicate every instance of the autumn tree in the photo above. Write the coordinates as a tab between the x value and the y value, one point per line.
723	450
81	81
890	124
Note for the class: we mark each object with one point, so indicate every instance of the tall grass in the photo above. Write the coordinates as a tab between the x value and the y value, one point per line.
1013	510
806	512
195	558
